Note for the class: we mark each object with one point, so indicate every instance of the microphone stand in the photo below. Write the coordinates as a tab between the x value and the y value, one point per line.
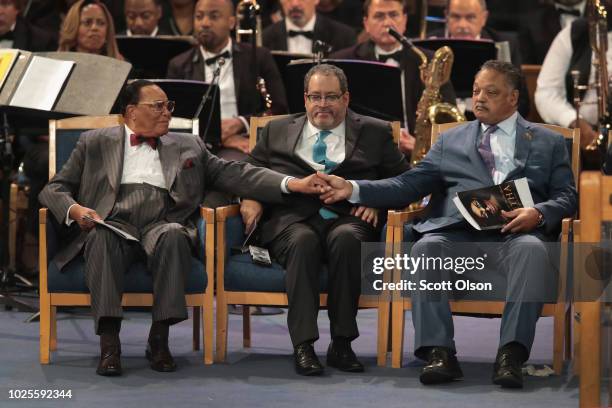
205	98
8	276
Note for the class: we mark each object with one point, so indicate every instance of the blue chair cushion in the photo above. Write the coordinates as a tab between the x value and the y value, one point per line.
242	275
71	279
138	279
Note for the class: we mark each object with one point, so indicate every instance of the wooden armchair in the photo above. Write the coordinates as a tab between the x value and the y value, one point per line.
68	288
240	282
561	310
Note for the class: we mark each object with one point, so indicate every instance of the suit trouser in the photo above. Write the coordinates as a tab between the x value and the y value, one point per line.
529	275
302	248
108	258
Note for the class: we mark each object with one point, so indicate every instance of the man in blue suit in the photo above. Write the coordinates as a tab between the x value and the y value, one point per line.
499	146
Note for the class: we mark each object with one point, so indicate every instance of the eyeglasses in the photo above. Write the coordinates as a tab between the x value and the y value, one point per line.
316	98
381	16
158	106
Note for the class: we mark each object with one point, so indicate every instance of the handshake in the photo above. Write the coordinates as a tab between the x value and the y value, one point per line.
330	189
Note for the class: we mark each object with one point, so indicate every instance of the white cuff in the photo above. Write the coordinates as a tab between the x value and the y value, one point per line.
354	198
244	122
69	220
285	185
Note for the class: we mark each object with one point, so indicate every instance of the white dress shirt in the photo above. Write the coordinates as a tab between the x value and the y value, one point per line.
300	44
551	95
140	165
227	88
379	51
153	33
335	143
567	19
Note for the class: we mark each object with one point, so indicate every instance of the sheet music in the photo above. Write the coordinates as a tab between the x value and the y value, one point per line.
7	60
41	83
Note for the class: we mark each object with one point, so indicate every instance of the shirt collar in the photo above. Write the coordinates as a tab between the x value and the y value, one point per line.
311	131
153	33
507	126
379	51
580	7
208	54
308	27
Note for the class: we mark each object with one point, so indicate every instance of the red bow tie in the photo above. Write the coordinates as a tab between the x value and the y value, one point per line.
136	140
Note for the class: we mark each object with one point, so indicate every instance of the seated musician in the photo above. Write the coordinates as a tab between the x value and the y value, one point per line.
379	15
240	99
467	19
142	18
302	27
499	145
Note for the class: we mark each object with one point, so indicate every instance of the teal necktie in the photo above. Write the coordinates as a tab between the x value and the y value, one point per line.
319	155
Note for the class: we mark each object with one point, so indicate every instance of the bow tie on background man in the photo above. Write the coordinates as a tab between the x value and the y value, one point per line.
307	34
397	56
8	36
136	140
212	60
571	12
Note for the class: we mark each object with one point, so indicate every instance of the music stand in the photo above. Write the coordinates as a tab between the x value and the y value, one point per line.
68	100
469	57
188	95
375	88
149	65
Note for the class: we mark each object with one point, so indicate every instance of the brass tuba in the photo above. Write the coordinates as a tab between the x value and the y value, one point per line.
430	108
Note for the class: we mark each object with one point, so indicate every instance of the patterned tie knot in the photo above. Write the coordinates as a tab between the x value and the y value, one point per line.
324	133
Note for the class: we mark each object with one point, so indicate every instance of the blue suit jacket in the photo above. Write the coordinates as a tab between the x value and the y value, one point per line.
453	164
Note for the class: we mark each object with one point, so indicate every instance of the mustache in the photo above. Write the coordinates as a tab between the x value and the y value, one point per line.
480	106
295	10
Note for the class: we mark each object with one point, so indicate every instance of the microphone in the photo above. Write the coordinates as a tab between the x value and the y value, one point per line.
205	97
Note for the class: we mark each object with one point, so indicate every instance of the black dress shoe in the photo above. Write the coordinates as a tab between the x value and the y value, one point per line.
508	368
159	355
442	367
110	361
306	361
341	356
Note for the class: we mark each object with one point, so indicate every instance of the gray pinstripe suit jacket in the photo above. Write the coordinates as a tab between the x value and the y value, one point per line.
92	175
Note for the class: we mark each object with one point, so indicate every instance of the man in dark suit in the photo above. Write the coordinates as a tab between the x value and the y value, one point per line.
379	15
16	32
303	27
539	27
499	146
148	182
467	19
300	233
142	18
213	22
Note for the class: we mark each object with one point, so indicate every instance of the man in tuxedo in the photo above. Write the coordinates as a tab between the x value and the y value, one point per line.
538	28
303	27
467	19
148	182
16	32
499	146
240	99
554	96
142	18
379	15
301	234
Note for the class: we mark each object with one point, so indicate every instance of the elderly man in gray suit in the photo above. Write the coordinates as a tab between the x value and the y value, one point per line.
500	145
150	183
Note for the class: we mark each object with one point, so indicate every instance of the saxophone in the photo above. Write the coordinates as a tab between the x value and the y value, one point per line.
430	108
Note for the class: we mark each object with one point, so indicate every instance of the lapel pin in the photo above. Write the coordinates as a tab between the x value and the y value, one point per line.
528	135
